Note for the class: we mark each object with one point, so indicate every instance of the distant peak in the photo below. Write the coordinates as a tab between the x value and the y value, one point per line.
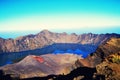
45	30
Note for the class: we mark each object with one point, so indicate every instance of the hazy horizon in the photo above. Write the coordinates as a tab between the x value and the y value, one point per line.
23	17
17	34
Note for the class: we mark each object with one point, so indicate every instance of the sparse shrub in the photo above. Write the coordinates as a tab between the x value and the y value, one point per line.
116	59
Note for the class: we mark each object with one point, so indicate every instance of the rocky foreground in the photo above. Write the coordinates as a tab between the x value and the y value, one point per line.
110	67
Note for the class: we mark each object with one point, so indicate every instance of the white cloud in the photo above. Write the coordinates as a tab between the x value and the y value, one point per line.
33	23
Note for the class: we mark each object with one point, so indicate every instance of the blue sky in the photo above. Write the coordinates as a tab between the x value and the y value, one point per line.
80	16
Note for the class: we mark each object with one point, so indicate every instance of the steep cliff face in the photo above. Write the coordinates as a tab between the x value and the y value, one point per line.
110	47
1	44
46	37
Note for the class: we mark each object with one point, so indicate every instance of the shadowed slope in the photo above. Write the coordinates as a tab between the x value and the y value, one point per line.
81	73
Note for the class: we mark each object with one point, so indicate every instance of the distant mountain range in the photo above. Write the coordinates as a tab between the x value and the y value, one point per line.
46	38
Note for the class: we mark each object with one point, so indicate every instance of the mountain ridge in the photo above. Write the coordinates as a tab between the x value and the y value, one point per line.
45	37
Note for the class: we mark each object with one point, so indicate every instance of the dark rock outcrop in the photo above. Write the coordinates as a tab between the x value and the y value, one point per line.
80	73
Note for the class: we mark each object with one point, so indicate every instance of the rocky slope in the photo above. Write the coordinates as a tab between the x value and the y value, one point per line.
110	47
39	66
110	67
46	37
